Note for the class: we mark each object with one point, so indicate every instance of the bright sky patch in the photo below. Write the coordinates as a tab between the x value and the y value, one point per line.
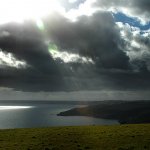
67	57
52	48
7	59
40	24
21	10
120	17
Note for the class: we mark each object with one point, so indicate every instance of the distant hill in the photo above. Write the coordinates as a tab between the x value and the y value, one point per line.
123	111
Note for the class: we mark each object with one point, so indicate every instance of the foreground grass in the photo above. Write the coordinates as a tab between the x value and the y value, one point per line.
120	137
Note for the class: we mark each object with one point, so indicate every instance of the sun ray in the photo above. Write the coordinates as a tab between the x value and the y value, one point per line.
40	24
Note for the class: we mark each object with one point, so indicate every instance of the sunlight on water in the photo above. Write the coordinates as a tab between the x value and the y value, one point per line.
14	107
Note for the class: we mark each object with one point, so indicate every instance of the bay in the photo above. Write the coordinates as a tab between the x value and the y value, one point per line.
41	114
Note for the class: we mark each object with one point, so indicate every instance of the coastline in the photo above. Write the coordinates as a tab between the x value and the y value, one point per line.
125	112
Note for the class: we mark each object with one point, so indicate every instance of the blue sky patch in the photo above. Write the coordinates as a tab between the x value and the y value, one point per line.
120	17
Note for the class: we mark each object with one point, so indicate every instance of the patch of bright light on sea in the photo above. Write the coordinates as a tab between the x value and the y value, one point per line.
14	107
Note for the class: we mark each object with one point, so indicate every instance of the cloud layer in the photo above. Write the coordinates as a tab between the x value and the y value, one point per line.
87	37
102	54
135	8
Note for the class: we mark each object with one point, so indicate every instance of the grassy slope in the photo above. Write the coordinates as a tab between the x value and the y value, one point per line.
120	137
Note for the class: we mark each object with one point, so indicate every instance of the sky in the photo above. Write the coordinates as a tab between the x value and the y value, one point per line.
74	49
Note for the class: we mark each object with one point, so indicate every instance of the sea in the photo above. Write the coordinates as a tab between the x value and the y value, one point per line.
32	114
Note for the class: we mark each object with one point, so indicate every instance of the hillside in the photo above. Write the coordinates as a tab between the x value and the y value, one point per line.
119	137
124	111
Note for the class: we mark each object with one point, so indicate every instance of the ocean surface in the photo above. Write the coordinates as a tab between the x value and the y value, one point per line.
42	114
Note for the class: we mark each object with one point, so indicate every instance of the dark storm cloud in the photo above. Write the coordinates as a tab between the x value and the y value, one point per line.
141	6
26	43
90	77
83	79
96	36
137	8
29	80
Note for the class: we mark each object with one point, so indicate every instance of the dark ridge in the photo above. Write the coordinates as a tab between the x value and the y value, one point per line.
123	111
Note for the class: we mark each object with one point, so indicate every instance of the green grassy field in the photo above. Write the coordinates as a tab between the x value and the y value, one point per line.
120	137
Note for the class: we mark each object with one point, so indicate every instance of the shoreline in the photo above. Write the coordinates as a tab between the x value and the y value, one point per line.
124	112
